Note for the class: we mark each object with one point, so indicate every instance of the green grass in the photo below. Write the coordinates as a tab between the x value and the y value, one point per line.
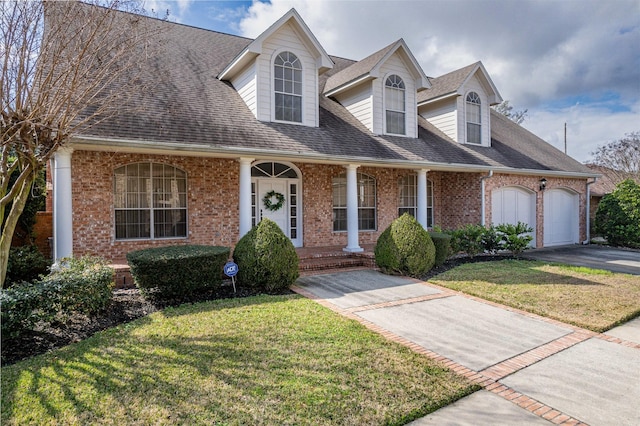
594	299
261	360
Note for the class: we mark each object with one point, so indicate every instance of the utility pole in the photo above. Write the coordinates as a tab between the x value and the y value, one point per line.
565	138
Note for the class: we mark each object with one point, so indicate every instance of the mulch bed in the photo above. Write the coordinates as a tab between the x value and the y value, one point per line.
127	305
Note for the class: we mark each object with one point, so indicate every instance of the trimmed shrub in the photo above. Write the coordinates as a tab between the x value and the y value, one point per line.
25	263
405	247
266	258
469	240
441	241
514	238
82	285
618	215
491	240
177	271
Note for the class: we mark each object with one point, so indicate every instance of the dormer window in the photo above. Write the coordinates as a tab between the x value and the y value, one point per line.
287	71
394	99
474	127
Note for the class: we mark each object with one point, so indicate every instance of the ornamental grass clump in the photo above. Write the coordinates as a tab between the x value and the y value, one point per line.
405	248
266	258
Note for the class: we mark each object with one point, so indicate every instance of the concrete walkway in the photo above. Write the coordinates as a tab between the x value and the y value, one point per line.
533	370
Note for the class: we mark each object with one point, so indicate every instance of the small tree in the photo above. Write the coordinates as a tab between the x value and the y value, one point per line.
65	66
622	157
618	215
506	109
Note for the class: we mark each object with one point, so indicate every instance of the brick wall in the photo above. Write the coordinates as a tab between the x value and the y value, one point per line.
213	201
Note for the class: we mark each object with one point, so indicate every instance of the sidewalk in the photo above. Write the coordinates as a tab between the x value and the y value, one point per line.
533	370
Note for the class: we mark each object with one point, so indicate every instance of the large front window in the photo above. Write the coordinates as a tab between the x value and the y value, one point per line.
408	197
395	105
474	127
287	81
150	201
366	202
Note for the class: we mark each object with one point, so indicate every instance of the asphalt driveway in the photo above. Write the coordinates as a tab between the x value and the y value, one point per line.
592	256
533	370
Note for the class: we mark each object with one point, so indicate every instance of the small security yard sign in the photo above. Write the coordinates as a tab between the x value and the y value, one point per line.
231	270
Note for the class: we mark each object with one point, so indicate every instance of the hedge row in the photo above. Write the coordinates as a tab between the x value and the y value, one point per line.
177	271
82	285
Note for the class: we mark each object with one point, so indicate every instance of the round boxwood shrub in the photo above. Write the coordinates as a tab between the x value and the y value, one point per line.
266	258
405	247
442	243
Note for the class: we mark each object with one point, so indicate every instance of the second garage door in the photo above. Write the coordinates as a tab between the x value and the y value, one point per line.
560	217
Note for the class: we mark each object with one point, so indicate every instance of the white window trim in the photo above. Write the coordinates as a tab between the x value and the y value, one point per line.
375	203
151	209
384	105
466	122
273	88
430	208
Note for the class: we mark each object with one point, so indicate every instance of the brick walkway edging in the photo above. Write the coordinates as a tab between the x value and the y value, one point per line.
489	377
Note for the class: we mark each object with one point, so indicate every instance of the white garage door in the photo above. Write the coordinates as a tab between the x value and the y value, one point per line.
513	205
560	217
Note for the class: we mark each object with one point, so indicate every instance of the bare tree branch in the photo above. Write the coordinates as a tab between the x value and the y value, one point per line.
621	156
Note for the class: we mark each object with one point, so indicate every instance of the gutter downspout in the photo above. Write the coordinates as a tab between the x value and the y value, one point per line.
588	212
483	214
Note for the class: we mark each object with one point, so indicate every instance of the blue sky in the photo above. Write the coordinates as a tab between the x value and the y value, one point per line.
573	61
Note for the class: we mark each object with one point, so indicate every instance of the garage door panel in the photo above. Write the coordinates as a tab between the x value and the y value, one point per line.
513	205
560	217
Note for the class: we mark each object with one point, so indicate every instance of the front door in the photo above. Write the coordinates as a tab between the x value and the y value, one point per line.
279	216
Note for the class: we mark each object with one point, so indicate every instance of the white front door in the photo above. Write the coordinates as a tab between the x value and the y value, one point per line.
279	216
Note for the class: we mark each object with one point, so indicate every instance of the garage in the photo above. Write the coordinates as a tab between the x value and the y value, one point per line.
561	219
512	205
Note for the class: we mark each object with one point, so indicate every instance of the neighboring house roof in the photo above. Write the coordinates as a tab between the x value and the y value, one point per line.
452	84
605	183
194	113
368	69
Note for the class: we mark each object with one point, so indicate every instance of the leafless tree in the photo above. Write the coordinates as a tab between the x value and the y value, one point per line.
621	156
506	109
65	66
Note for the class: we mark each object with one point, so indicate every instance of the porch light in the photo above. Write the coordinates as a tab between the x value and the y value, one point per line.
543	184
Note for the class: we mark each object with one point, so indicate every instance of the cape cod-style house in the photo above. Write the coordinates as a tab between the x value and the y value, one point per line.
331	149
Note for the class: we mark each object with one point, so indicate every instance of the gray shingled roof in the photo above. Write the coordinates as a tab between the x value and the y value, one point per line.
446	84
357	69
191	109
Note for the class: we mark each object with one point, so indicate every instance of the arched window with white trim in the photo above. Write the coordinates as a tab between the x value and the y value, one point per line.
473	113
366	202
150	201
395	105
287	70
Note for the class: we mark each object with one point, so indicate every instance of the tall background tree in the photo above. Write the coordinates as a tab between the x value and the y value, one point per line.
506	109
64	66
621	156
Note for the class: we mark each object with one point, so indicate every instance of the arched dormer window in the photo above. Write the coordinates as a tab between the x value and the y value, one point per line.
474	125
287	72
395	105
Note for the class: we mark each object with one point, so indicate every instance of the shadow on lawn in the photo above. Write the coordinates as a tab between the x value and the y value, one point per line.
521	272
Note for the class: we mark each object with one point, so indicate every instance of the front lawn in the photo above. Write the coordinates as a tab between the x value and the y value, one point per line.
593	299
258	360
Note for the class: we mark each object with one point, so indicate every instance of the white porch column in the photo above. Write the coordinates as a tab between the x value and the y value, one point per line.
245	196
62	204
422	198
352	209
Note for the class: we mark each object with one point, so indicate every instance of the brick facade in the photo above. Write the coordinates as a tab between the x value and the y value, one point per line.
213	201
